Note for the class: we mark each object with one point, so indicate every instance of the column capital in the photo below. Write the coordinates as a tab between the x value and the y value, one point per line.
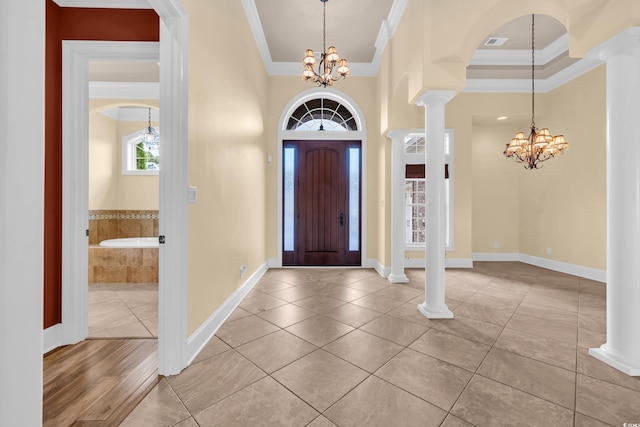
435	97
626	41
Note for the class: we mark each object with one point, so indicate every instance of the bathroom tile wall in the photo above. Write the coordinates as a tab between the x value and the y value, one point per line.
113	224
120	265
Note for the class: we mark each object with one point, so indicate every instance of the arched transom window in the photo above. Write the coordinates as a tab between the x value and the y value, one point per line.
322	114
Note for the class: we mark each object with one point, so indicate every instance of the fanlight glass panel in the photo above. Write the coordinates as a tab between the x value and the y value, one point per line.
322	114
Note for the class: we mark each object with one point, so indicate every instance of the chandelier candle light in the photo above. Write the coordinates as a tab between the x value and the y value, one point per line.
328	60
539	145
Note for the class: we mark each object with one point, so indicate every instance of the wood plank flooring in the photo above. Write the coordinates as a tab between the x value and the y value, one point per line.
97	382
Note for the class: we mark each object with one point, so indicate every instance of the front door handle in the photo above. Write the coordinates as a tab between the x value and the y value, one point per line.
341	219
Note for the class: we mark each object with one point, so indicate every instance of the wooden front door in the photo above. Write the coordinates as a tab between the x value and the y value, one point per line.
321	203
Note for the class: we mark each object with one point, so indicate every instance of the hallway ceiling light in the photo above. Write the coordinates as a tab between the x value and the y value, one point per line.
539	145
329	59
151	138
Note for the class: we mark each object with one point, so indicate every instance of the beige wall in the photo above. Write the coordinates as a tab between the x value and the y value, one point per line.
227	154
108	188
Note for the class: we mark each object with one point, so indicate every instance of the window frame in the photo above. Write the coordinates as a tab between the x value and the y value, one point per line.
419	159
129	145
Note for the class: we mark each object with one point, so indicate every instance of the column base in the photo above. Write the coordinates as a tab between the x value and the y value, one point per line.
621	363
431	313
398	278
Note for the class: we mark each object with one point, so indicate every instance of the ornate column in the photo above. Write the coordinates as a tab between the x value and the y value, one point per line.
434	306
622	56
397	206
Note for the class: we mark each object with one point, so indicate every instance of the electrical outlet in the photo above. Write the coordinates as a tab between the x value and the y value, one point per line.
496	245
548	251
243	270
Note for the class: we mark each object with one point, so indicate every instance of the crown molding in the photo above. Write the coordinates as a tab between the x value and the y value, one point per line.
542	85
521	56
367	69
105	4
124	90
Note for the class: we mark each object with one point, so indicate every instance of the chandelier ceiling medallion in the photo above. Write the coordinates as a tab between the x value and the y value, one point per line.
329	59
539	145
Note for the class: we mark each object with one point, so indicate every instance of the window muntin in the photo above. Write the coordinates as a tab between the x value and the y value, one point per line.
322	114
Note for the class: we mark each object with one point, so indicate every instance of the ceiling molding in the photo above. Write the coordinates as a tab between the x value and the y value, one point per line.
367	69
524	85
521	56
105	4
124	90
132	114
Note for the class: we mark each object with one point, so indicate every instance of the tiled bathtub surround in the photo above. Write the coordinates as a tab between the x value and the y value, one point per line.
112	224
123	265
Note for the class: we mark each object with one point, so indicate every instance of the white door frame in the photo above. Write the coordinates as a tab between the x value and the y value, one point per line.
172	291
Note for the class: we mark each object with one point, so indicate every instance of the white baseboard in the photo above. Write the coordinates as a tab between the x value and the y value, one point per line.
448	263
562	267
273	263
207	330
375	264
51	338
495	256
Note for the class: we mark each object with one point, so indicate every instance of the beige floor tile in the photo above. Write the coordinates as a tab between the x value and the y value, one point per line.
286	315
135	329
98	295
395	329
344	293
213	379
546	381
238	313
151	325
363	350
261	303
488	403
410	312
493	301
253	293
470	329
214	347
398	292
607	402
243	330
319	330
451	348
430	379
319	303
378	303
320	378
368	285
276	350
593	323
561	330
544	312
376	403
458	294
145	311
321	421
588	338
483	313
160	408
584	421
551	301
510	293
294	294
268	285
352	315
592	367
264	403
453	421
554	352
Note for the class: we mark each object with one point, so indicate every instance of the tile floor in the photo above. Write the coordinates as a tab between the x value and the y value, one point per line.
123	310
344	347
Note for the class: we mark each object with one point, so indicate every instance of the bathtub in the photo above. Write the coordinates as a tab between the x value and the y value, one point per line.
131	242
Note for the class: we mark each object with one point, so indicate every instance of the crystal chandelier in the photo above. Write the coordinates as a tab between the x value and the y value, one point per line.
150	138
329	59
539	145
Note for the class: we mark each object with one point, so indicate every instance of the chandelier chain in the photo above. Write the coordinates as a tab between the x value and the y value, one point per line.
533	75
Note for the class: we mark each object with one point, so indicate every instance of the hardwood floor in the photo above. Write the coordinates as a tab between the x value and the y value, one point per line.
97	382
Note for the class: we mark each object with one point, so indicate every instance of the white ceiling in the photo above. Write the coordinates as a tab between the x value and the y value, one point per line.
360	30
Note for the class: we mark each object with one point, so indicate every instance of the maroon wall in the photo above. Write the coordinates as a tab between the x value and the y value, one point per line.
73	24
